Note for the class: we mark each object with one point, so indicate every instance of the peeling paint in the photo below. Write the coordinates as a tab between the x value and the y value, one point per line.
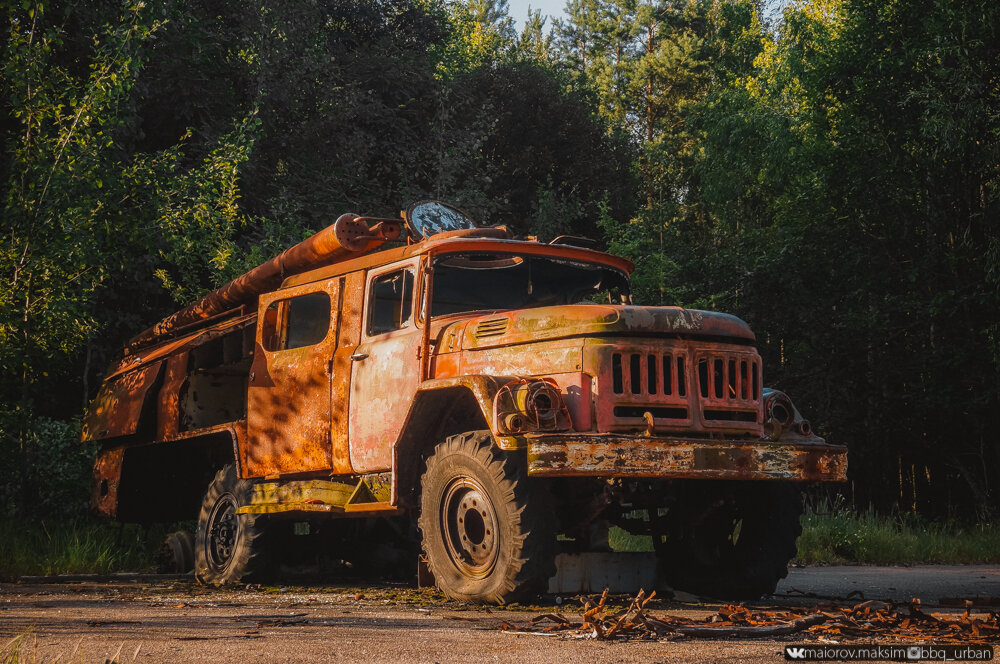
556	455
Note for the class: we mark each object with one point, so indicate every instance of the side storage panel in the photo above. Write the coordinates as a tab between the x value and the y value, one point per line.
120	406
288	409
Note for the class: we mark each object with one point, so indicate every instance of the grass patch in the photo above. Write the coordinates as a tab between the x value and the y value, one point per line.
842	536
621	540
80	546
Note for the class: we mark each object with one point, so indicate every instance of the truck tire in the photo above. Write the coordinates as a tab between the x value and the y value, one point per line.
730	542
487	530
228	547
177	554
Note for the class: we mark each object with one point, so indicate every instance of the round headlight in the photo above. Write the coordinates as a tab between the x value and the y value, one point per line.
778	408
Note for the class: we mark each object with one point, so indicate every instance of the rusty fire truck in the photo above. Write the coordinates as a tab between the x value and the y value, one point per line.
503	395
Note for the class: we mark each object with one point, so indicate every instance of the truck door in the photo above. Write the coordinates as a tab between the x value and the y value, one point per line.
385	371
288	400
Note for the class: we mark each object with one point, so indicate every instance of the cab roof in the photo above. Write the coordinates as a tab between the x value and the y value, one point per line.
461	244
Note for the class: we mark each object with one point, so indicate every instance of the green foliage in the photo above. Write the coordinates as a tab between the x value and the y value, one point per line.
55	218
56	472
199	213
839	536
481	32
84	220
534	42
80	209
539	151
74	546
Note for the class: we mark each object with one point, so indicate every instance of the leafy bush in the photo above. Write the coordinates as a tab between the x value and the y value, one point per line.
47	470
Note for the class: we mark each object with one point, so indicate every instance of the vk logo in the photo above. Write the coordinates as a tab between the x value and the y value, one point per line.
795	653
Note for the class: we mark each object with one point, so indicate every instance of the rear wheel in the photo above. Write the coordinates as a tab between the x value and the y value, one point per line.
228	547
484	524
176	556
729	540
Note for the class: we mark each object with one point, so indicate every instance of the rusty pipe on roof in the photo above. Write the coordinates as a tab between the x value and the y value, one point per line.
347	237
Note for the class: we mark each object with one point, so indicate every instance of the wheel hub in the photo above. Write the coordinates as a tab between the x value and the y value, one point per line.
223	527
469	522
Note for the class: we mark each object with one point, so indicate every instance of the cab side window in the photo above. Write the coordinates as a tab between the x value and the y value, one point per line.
296	322
390	302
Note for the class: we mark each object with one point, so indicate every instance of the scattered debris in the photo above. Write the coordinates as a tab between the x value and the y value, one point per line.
865	620
117	577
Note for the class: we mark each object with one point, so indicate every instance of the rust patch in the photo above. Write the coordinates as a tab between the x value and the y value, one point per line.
385	375
559	455
107	477
288	401
348	337
118	407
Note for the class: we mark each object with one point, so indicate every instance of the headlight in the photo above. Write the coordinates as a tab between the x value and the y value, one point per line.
524	406
779	413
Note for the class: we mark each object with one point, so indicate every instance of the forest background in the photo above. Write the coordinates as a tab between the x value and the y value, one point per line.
829	174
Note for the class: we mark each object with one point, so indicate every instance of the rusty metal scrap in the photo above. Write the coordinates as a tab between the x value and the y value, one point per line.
872	619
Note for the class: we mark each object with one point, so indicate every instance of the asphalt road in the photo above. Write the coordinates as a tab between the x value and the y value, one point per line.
930	583
179	621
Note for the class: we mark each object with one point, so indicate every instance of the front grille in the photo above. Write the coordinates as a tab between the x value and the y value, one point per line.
728	377
648	374
729	386
686	389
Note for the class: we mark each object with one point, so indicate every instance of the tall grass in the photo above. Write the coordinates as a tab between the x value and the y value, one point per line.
79	546
839	535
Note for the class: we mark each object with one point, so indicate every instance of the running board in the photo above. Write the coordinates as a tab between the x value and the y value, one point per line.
369	494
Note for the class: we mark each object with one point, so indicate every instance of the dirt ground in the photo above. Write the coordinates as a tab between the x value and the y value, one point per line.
180	621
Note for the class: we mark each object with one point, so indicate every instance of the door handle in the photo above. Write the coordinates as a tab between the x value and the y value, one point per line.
357	357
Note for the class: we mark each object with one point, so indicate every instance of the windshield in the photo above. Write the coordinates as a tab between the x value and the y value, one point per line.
489	282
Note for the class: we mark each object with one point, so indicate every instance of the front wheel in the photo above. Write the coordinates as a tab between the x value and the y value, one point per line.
228	546
485	526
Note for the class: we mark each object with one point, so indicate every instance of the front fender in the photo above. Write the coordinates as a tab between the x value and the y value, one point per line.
436	396
462	403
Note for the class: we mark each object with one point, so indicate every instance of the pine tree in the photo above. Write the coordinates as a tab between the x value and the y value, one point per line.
534	41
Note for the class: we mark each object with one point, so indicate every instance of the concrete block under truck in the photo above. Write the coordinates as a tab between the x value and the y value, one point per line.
426	380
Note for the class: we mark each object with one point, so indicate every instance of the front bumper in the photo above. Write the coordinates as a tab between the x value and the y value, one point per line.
612	455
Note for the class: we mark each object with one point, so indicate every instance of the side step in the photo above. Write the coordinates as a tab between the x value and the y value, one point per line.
370	493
